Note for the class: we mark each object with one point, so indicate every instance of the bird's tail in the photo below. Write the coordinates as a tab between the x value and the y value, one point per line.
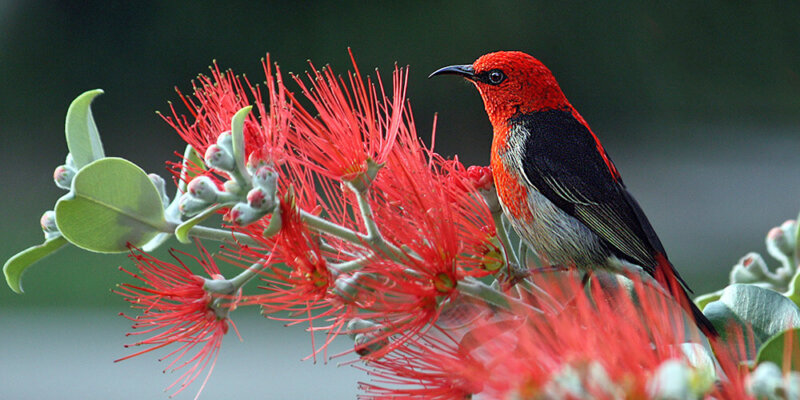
666	275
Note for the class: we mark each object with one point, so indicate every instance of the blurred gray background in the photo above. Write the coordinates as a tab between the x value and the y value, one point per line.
698	105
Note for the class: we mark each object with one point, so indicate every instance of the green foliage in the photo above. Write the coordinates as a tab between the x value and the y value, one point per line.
16	265
182	231
83	139
237	131
782	349
765	311
113	203
703	300
765	303
793	292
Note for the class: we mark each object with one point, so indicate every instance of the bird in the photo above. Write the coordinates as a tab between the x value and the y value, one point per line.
557	185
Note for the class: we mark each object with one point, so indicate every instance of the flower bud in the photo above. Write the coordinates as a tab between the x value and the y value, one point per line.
347	288
189	205
48	222
231	186
573	379
266	177
219	158
260	200
70	162
750	269
242	214
63	176
225	141
671	381
779	241
358	325
481	177
365	334
368	343
765	381
254	162
203	188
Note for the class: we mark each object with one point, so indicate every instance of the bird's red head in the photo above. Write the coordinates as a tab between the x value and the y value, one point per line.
511	82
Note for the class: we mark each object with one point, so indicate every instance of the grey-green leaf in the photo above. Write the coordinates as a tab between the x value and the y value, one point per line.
703	300
237	133
113	203
17	265
794	288
767	311
83	139
784	346
182	231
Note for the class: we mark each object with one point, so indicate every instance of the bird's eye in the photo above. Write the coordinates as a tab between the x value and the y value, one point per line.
496	76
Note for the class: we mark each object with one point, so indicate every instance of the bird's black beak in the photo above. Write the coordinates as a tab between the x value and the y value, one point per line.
462	70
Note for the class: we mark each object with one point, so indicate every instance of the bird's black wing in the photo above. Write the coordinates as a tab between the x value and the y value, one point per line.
563	162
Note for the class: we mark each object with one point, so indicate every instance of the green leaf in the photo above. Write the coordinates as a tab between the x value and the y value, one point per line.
83	139
794	288
767	311
728	323
237	133
16	266
113	203
182	231
784	346
704	299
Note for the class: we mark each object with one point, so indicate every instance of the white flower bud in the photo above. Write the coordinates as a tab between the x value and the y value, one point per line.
219	158
780	243
266	177
48	222
671	382
203	188
347	288
189	205
765	381
231	186
242	214
750	269
260	200
63	176
225	140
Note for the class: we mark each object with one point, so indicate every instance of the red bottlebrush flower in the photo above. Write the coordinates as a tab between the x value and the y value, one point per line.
606	346
307	278
176	309
218	97
428	205
298	279
441	225
353	125
430	368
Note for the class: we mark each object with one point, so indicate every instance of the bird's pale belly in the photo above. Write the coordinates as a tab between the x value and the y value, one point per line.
557	237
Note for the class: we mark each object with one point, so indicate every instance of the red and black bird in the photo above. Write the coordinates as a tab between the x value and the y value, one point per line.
557	185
